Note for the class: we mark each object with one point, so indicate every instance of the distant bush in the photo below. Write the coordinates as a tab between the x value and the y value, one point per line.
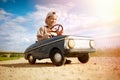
3	55
15	55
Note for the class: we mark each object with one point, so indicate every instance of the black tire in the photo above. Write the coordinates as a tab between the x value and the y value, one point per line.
31	59
84	58
57	57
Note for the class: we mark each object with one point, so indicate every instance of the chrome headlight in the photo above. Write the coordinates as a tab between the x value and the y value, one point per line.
71	43
92	43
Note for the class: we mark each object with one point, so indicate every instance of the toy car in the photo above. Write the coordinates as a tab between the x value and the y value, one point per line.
58	48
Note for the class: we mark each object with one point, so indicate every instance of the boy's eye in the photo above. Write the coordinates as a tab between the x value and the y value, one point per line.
53	19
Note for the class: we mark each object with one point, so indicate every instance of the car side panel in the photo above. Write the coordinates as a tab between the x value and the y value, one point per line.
44	51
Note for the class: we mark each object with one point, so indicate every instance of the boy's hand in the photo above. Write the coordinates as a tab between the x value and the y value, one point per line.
48	35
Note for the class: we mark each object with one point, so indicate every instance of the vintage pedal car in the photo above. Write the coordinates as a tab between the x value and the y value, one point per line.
58	48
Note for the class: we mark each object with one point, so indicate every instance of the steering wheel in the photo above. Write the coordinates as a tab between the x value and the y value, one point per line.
57	28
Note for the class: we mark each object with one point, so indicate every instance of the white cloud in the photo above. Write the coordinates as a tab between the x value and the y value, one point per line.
78	23
3	12
4	16
15	33
19	32
70	21
20	19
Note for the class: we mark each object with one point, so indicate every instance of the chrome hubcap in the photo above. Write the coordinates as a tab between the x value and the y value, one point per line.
31	58
57	57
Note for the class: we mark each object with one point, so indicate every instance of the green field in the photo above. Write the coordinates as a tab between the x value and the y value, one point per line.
10	55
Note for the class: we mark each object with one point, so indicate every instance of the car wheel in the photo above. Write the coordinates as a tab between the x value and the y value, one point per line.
31	59
57	57
84	58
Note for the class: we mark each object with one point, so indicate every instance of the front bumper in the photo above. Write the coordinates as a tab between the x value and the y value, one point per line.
77	52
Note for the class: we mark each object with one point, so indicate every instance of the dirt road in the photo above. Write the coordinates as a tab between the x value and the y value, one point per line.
98	68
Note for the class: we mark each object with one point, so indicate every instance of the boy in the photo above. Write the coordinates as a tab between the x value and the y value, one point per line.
44	32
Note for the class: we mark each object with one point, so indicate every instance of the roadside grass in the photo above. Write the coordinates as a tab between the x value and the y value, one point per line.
10	56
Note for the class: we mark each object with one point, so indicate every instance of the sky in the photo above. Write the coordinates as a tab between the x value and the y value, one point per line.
21	19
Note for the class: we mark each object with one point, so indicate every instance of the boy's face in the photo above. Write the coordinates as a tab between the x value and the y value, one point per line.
51	21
